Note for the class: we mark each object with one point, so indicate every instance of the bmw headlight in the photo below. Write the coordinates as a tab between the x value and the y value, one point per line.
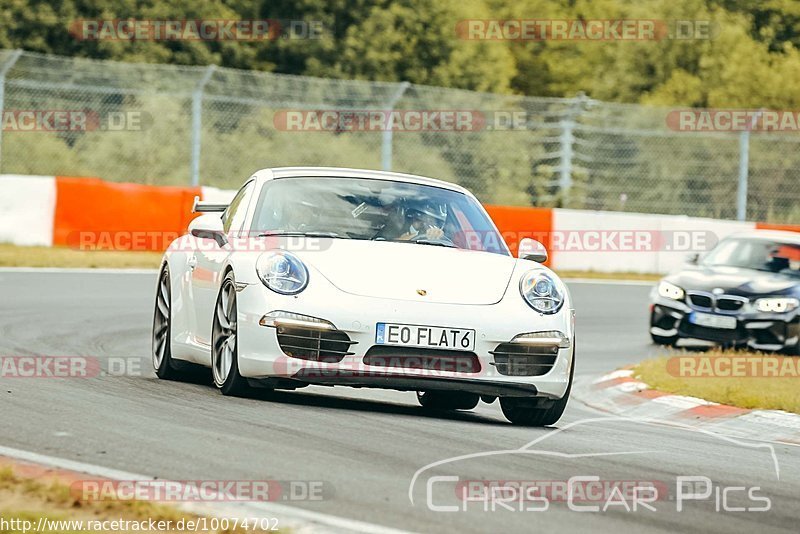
282	272
670	291
777	304
543	292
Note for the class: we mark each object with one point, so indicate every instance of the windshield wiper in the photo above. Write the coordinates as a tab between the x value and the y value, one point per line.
302	234
434	243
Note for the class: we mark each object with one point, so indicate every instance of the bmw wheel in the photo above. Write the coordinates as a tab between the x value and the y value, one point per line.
666	341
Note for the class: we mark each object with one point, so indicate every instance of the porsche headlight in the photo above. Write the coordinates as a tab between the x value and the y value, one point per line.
282	272
670	291
543	292
777	304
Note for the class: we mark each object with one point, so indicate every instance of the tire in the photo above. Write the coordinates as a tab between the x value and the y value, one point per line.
529	411
166	368
666	341
224	342
447	400
794	350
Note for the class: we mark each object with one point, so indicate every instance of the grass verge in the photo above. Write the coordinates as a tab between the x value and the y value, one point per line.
645	277
29	499
736	378
15	256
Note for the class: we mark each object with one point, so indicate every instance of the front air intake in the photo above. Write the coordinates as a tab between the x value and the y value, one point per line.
516	359
327	346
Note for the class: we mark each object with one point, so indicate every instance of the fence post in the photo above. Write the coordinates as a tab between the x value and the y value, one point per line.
744	163
565	165
12	59
744	168
567	140
386	146
197	122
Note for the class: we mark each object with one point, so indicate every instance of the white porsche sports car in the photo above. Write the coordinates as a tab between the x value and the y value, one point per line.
345	277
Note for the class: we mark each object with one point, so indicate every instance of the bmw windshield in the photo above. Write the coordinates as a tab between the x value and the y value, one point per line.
377	210
757	254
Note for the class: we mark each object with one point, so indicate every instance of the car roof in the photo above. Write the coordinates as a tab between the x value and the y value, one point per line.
289	172
776	235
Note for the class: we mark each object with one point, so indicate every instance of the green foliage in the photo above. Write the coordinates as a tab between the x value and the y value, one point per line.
751	59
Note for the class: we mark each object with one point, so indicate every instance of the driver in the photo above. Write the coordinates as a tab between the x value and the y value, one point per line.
425	219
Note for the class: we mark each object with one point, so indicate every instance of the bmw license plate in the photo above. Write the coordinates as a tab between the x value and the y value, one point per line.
431	337
713	321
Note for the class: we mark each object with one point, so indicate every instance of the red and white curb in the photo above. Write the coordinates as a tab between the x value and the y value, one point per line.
621	394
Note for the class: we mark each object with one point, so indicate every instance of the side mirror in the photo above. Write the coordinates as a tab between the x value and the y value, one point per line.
693	258
209	227
530	249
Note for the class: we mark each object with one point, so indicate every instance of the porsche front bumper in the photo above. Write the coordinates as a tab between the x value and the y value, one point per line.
261	355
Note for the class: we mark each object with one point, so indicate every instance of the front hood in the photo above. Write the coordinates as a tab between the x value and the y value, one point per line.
403	270
734	281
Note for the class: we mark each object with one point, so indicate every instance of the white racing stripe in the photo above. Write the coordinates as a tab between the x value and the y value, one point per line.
619	373
683	402
290	518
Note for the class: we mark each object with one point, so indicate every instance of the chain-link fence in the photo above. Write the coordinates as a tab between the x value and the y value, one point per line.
174	125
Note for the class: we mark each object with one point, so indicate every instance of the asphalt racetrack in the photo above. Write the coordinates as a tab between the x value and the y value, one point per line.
366	447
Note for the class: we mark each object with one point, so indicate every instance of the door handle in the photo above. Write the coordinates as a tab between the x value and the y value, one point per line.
192	262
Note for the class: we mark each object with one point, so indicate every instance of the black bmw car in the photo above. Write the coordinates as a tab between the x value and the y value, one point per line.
743	293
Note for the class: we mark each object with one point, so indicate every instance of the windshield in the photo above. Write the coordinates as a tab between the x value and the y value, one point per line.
380	210
757	254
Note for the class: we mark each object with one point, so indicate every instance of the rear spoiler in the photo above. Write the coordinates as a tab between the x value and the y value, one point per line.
207	207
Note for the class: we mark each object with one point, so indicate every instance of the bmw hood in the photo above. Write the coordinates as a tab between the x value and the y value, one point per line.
735	281
408	271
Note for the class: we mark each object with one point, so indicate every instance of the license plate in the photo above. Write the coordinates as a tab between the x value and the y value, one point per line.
713	321
433	337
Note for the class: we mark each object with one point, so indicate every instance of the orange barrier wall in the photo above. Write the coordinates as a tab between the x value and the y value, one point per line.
516	223
94	214
787	227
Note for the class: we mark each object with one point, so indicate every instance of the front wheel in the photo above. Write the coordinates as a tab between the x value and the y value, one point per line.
666	341
537	412
794	350
224	342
